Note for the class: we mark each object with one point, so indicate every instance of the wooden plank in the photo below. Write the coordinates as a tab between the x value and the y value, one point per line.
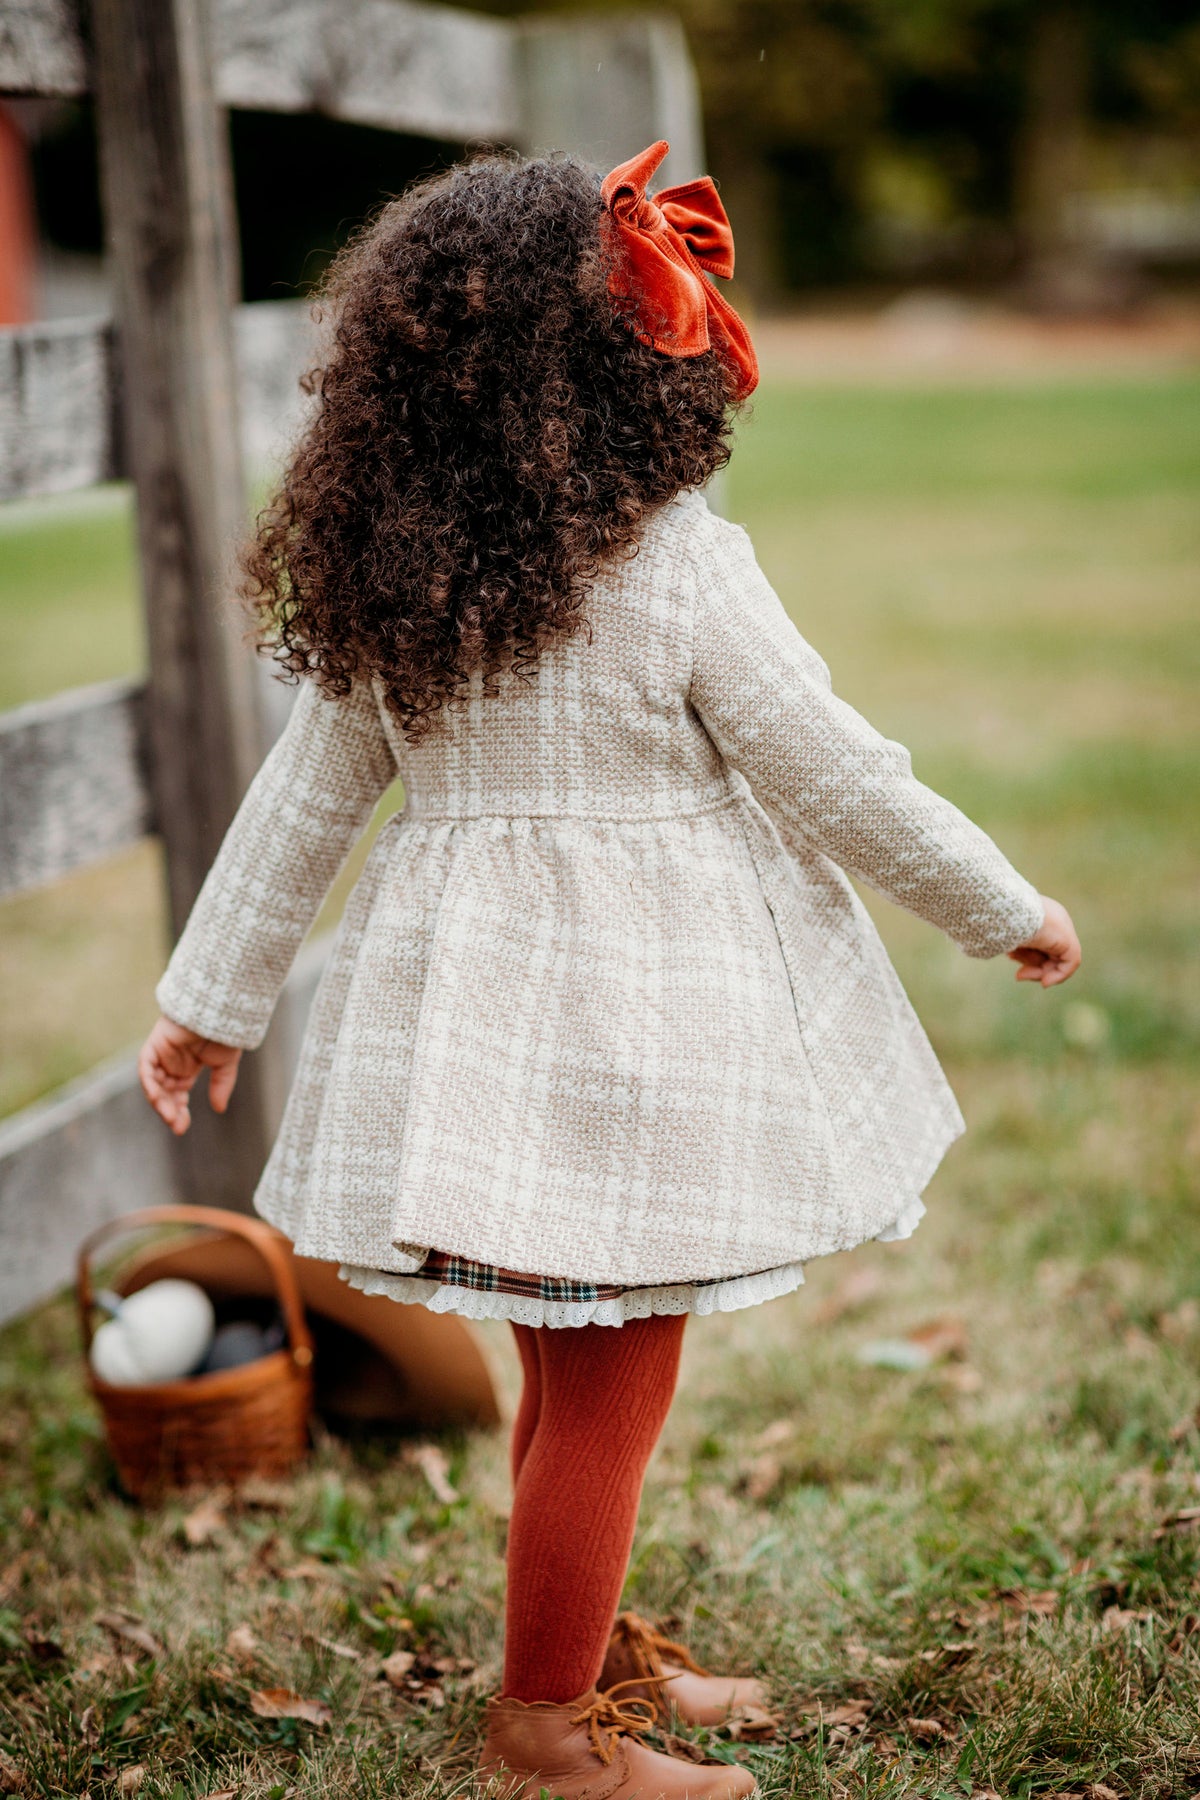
165	180
41	48
432	70
605	86
276	343
95	1150
74	786
58	396
437	71
56	407
66	1165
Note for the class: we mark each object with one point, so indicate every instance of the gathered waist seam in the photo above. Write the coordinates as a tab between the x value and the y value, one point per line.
417	816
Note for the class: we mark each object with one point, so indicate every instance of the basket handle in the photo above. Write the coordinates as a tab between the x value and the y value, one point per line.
270	1244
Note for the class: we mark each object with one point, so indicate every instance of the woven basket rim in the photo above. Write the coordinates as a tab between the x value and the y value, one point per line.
217	1384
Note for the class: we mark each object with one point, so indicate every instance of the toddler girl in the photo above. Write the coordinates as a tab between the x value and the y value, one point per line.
606	1037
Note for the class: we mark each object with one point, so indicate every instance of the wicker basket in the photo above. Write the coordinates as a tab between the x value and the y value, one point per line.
222	1427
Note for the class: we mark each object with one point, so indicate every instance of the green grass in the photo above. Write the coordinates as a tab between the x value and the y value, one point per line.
973	1557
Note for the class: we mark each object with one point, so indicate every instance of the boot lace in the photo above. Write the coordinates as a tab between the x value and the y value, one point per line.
648	1648
609	1719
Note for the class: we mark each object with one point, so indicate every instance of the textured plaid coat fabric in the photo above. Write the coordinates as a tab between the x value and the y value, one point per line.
603	1003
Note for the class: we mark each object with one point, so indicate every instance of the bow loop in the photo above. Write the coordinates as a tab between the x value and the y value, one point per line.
663	246
696	213
609	1719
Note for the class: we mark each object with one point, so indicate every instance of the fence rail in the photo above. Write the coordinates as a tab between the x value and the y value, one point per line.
179	392
60	387
74	782
432	70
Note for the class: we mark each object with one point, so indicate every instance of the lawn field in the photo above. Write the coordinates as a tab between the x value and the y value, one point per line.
980	1576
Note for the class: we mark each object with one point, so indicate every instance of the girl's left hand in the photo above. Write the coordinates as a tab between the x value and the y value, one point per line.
170	1062
1053	955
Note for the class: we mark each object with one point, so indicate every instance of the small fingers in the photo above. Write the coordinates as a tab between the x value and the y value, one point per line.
165	1090
221	1082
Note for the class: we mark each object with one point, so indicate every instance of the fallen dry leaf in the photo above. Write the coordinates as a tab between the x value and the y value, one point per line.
761	1477
1138	1343
431	1460
751	1725
13	1779
683	1748
1184	1518
1181	1323
1010	1604
927	1731
950	1655
779	1431
1188	1627
89	1729
242	1645
942	1339
852	1715
307	1569
13	1575
1123	1618
281	1703
961	1378
1100	1790
101	1664
397	1667
204	1522
131	1779
222	1794
128	1626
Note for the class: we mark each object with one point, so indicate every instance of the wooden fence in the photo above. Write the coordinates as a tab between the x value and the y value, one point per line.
171	393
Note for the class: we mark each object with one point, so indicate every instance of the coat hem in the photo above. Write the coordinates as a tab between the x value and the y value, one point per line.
699	1300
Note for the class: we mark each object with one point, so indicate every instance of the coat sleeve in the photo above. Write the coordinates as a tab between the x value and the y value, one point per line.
765	698
303	812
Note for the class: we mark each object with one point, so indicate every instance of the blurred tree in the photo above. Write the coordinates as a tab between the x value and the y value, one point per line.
996	99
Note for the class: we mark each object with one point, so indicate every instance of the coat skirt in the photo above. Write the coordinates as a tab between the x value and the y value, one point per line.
603	1004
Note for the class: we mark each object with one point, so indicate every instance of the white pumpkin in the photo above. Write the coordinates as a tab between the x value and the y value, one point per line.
159	1334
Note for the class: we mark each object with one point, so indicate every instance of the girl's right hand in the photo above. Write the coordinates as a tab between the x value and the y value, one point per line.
1053	954
170	1061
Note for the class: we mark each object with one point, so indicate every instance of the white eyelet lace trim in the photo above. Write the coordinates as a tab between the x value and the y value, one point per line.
634	1303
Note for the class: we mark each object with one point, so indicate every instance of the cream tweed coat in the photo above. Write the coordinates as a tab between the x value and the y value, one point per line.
603	1003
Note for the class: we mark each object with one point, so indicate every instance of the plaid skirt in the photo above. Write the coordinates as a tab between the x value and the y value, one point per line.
486	1278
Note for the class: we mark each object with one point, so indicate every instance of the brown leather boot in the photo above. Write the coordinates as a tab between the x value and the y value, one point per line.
589	1749
650	1667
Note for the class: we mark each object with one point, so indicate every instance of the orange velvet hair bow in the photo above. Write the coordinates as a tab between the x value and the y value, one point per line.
664	244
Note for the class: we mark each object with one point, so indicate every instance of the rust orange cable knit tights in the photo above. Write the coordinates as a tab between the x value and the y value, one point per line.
594	1402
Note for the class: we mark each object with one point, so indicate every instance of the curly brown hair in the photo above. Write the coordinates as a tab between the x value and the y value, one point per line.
487	432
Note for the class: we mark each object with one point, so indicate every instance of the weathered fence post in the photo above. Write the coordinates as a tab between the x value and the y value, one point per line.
167	192
608	84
